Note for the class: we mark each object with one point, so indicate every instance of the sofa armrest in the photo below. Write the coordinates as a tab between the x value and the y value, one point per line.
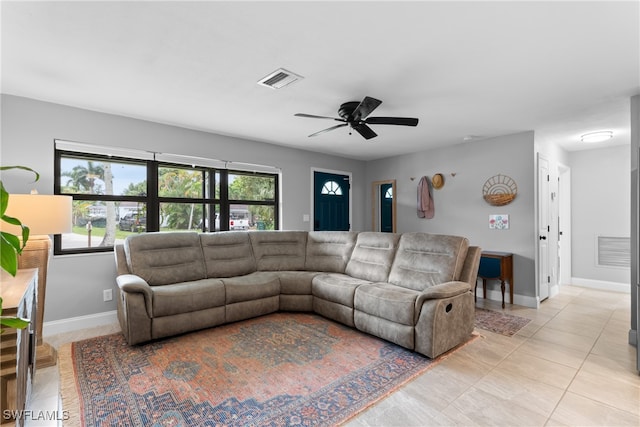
445	290
441	291
130	283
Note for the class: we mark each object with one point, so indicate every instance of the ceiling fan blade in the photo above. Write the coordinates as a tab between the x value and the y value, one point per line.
311	116
365	131
365	108
402	121
328	129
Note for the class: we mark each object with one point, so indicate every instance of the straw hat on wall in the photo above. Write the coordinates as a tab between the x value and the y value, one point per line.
437	181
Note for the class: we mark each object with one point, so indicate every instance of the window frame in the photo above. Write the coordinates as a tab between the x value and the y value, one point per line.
153	200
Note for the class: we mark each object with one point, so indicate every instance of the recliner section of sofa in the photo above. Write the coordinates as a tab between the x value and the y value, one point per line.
413	289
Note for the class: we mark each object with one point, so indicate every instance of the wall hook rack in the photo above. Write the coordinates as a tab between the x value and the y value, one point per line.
413	178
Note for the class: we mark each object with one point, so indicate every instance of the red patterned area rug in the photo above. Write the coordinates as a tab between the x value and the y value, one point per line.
276	370
500	323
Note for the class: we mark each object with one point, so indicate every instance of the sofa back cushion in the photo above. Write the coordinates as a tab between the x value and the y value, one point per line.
227	254
165	258
372	256
329	251
424	260
279	250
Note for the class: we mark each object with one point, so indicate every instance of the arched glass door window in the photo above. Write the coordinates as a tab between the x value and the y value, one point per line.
331	188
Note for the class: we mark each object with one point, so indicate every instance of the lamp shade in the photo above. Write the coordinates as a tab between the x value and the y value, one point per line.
42	213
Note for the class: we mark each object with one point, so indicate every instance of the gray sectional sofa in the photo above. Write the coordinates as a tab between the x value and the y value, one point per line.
413	289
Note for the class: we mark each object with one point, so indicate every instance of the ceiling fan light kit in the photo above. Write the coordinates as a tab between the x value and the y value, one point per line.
356	115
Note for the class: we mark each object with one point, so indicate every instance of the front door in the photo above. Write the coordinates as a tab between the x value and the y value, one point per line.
331	201
386	208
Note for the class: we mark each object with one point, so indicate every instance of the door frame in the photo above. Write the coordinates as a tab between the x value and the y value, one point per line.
312	193
376	204
564	222
543	237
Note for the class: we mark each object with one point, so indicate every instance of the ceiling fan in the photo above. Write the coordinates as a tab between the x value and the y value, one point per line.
356	115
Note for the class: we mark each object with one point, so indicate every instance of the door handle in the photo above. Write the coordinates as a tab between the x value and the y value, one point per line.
543	237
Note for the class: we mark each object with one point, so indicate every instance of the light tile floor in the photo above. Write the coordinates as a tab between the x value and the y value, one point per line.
570	366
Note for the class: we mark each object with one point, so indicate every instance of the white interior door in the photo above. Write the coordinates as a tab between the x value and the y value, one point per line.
544	226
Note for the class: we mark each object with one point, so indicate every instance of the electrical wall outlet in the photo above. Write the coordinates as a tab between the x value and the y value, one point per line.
107	295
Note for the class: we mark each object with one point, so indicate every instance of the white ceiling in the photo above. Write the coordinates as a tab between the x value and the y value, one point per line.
476	68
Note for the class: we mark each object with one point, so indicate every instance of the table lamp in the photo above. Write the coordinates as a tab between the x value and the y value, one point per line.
44	215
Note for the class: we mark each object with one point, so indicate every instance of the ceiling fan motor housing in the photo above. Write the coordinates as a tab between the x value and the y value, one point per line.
346	110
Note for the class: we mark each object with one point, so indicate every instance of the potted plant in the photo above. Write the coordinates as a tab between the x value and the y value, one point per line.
11	246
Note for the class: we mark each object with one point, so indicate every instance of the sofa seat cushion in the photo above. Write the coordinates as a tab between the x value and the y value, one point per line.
336	287
187	297
251	287
165	258
387	301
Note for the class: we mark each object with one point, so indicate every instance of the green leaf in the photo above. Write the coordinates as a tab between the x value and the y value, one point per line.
25	230
14	322
3	168
12	240
8	255
4	199
11	220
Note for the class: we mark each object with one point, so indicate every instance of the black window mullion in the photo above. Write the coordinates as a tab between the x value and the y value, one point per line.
224	200
276	203
211	206
57	165
153	205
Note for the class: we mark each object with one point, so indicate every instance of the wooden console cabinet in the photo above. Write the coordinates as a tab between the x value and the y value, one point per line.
18	355
496	265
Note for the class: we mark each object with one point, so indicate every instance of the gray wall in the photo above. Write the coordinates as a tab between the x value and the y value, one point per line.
600	206
459	206
75	283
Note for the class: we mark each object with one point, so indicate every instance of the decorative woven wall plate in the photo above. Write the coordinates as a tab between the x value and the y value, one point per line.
499	190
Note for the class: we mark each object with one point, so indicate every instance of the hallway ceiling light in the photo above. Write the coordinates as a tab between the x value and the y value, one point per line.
596	136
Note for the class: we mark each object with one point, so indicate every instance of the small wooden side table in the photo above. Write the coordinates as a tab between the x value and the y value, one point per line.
17	370
496	265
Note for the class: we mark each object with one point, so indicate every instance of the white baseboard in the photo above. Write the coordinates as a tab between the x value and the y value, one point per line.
72	324
496	295
601	285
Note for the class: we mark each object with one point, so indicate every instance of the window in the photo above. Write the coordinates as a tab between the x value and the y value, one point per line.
114	197
331	188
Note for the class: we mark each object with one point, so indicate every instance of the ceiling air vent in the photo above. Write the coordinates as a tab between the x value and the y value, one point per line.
279	79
